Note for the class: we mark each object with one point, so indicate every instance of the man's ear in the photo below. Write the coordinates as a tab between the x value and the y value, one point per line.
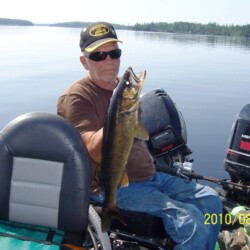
83	61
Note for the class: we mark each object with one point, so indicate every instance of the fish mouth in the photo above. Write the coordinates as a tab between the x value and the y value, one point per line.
133	85
137	79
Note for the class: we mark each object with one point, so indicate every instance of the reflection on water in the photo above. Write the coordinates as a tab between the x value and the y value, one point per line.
208	77
208	40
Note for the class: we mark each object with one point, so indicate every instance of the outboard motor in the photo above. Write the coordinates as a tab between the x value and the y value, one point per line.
237	161
166	127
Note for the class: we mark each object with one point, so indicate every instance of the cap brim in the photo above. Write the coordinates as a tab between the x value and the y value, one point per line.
98	43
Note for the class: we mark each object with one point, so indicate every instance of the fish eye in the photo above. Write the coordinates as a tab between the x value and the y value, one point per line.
127	82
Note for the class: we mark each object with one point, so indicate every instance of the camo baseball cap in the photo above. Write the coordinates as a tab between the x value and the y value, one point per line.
97	34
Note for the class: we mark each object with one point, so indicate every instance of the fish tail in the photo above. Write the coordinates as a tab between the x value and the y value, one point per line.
107	215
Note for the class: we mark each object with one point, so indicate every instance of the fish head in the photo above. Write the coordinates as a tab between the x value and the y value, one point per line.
132	85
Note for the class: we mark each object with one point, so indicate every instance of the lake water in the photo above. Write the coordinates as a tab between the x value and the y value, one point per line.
208	77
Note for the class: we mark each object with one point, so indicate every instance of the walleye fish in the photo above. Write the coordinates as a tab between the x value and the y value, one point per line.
120	129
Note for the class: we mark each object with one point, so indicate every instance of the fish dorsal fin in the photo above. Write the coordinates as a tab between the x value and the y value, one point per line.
124	180
141	133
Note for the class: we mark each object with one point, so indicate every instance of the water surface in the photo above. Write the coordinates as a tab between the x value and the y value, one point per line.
208	77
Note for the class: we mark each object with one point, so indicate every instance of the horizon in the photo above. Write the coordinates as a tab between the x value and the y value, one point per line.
62	22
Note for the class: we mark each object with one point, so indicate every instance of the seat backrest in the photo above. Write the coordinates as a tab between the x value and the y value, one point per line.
44	173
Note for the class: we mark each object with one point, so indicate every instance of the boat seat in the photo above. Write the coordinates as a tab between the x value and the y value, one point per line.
44	173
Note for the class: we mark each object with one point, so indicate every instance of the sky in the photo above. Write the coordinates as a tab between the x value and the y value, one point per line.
128	12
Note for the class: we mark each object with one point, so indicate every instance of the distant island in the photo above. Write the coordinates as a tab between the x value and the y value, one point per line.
7	21
176	27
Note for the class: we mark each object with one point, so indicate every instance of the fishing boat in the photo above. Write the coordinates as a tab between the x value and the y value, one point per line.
45	181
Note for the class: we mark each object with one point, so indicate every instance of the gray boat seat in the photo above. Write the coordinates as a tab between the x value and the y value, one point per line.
44	173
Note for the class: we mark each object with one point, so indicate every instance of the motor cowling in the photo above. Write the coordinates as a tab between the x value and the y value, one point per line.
163	121
237	162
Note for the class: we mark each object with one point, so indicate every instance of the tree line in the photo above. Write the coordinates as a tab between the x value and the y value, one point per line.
7	21
195	28
176	27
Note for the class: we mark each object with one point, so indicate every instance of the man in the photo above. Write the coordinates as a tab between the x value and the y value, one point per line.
181	205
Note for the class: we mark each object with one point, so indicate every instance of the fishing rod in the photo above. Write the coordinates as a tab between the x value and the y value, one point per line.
185	171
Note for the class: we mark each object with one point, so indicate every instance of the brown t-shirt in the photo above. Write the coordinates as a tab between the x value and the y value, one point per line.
85	105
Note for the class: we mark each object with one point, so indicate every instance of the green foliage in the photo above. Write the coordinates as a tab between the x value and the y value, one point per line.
6	21
176	27
71	24
195	28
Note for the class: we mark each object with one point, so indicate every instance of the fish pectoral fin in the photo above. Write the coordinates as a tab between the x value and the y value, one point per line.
141	133
124	180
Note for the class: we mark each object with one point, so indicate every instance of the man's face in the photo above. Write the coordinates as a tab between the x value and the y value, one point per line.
103	73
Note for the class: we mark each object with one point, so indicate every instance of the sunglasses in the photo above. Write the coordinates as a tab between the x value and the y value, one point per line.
102	55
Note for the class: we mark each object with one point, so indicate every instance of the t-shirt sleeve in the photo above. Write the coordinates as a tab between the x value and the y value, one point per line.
79	111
